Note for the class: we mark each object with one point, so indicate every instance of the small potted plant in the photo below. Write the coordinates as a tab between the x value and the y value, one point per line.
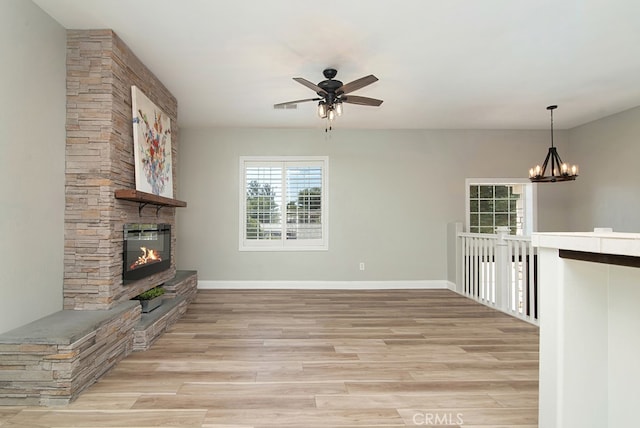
151	299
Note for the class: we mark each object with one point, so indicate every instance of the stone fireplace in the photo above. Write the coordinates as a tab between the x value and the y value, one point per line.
107	223
99	160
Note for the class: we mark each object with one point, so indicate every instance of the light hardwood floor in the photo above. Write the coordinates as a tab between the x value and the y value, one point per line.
331	359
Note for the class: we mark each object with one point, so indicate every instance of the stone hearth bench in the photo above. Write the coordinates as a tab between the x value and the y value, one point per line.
51	360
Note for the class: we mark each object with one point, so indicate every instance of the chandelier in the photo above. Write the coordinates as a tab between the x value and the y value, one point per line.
559	171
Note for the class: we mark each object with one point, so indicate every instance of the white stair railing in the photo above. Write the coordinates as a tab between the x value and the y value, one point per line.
500	271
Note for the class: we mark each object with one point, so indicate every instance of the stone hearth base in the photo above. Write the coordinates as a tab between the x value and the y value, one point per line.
179	292
52	360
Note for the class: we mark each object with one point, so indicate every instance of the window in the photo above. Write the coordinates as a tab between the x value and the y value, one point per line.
492	203
283	203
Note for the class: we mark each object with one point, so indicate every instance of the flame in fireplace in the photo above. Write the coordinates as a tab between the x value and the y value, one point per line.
148	256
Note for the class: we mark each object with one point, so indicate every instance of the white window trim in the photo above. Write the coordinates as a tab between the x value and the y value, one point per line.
284	244
530	208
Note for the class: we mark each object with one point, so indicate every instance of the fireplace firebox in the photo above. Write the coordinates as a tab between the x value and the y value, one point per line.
147	250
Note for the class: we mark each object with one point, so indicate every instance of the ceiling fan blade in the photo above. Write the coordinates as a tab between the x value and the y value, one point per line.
317	89
363	101
357	84
292	104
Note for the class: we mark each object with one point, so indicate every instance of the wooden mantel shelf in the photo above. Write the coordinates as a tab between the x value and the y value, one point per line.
148	198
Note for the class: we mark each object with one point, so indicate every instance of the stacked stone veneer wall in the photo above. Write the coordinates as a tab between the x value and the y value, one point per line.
99	159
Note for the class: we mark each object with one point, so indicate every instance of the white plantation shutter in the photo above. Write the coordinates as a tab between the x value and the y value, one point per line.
263	184
304	205
283	203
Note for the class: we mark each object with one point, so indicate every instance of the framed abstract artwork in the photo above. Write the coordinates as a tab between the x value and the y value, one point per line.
152	146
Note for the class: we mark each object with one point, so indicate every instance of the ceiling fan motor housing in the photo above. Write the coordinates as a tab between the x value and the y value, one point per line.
329	86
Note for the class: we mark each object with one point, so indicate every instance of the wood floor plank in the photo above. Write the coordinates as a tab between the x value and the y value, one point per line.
318	358
393	401
308	419
59	418
282	388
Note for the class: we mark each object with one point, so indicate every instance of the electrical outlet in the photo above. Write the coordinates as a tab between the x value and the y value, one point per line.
361	265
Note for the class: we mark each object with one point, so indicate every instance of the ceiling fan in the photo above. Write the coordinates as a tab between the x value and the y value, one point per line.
332	93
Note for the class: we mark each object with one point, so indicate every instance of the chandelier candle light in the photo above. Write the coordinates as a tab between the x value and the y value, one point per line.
560	171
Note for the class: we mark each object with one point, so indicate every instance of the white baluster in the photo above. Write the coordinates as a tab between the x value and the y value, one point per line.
502	266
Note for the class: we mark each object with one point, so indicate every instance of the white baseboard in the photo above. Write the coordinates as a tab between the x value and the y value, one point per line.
451	285
324	285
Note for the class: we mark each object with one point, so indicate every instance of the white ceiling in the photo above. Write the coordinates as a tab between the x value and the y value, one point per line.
470	64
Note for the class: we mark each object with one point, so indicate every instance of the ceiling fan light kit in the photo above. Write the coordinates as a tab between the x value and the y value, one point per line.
329	112
560	171
332	94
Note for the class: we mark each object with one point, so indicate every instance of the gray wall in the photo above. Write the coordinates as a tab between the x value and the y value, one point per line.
392	194
607	193
32	146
